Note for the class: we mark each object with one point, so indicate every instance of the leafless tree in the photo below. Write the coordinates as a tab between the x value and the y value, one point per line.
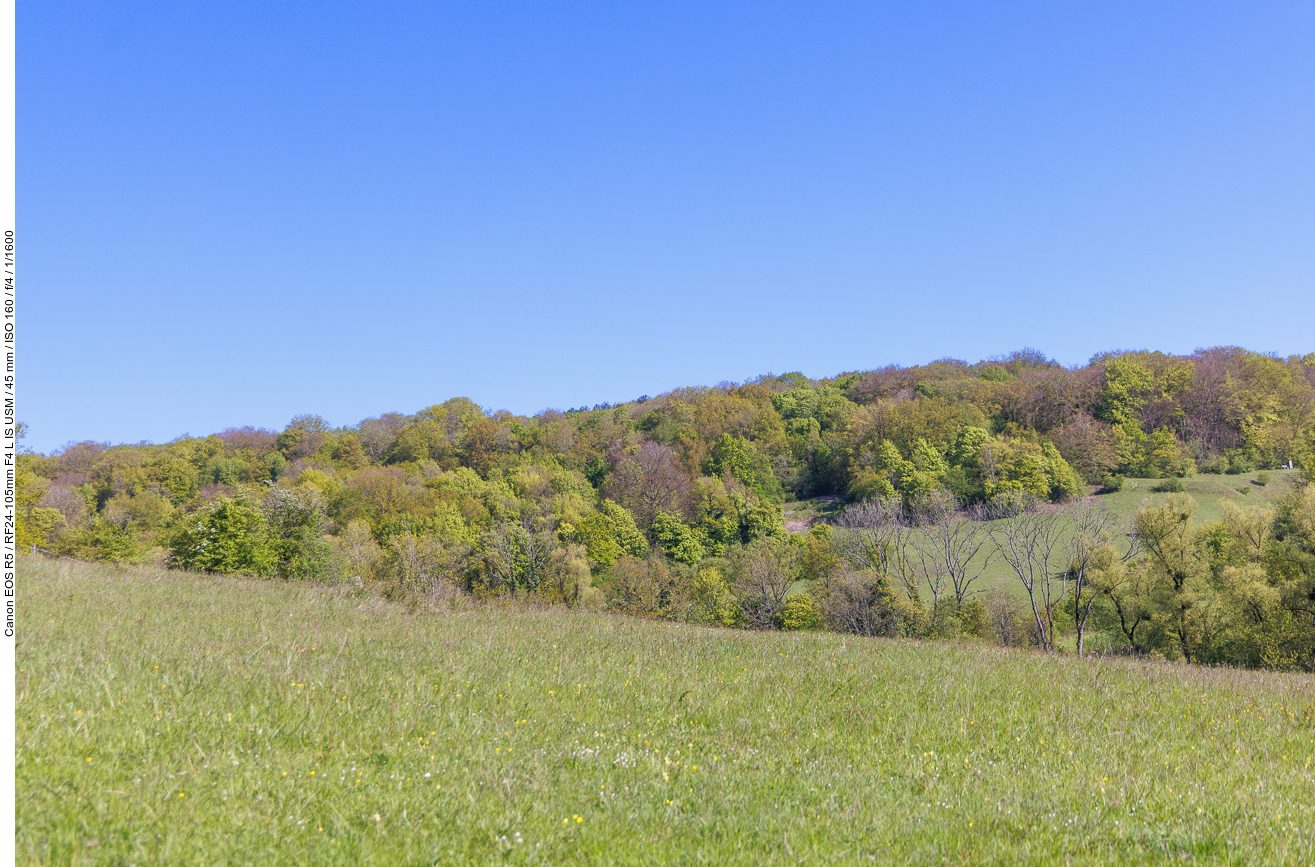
875	535
378	434
948	543
857	602
1003	615
71	504
1091	549
429	566
1030	540
763	576
358	548
1087	445
650	481
248	437
645	588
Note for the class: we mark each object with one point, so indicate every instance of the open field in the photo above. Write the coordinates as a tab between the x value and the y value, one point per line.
165	718
1209	491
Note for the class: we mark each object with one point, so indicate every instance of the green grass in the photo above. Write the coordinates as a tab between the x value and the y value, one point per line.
1209	491
165	718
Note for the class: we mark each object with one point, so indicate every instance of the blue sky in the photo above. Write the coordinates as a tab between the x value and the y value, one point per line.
233	213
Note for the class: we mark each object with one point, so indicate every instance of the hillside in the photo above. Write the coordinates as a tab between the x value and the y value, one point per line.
174	718
1200	544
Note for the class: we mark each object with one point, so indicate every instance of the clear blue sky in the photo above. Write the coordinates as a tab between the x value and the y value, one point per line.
232	213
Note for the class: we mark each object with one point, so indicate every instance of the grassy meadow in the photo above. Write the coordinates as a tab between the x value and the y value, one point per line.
167	718
1209	492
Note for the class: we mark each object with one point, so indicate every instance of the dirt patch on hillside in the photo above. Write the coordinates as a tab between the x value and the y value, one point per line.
800	516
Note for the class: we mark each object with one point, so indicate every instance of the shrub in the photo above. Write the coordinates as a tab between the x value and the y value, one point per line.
711	599
644	588
229	535
1262	478
973	619
1239	463
1111	484
103	542
1169	486
798	612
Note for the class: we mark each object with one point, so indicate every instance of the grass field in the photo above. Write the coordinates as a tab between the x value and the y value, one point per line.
1209	492
165	718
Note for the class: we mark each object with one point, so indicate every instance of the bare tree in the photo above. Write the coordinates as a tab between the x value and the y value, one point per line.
1091	550
875	535
1030	540
1002	613
763	576
71	504
857	602
378	434
949	542
650	481
358	548
427	565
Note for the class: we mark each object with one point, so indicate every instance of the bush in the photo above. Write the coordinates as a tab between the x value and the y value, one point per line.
1262	478
103	542
1214	466
798	612
1169	486
712	601
973	619
1111	484
229	535
1239	463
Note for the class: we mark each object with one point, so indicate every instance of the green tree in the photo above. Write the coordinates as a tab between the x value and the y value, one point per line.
676	540
228	535
711	599
610	534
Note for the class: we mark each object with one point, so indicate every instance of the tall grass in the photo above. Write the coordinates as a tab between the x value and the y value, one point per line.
165	718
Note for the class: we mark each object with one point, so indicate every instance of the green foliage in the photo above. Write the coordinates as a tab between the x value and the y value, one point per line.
452	500
973	619
1111	484
968	446
229	535
1159	455
798	612
740	459
104	542
610	534
676	540
294	520
146	511
711	599
1133	379
223	471
37	526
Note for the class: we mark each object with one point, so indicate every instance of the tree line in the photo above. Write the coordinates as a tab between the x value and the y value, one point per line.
673	506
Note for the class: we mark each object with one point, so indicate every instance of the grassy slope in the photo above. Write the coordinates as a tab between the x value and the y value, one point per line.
1209	491
167	718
